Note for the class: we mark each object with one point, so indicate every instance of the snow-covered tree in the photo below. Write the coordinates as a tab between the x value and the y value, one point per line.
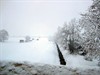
84	32
91	24
68	36
3	35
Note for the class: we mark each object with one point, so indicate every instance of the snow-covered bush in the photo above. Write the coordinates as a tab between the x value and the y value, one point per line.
88	58
3	35
27	38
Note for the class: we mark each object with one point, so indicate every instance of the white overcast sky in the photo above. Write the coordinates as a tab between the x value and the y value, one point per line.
38	17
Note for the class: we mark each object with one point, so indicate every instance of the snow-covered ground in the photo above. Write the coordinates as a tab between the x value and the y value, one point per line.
77	61
26	68
37	51
41	52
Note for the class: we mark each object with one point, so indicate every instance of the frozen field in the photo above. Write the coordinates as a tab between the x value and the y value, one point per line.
37	51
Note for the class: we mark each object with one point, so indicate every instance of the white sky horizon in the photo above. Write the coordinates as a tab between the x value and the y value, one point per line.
38	17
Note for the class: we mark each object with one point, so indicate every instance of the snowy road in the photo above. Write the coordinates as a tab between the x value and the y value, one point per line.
37	51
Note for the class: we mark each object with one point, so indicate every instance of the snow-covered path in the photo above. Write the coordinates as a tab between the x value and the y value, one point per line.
37	51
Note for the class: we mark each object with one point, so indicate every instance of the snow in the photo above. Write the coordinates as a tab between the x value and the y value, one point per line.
37	51
41	51
77	61
26	68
